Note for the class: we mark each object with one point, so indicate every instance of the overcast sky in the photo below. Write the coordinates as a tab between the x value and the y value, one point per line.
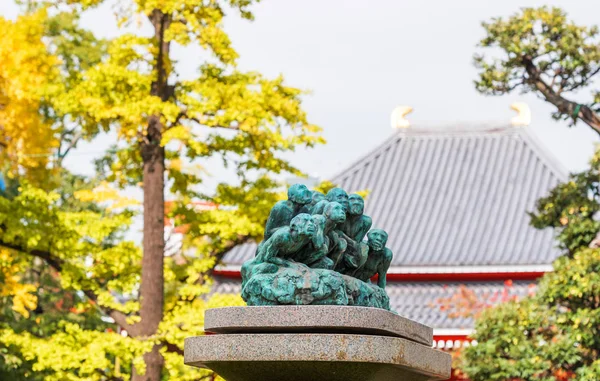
360	59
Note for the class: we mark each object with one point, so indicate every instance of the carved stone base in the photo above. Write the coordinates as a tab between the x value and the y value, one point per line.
297	284
397	352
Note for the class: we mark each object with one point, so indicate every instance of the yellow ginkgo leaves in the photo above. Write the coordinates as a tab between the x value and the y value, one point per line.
27	71
11	285
108	195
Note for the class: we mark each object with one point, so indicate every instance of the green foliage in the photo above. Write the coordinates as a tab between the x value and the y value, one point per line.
90	256
570	208
554	335
65	268
326	186
32	298
77	48
73	353
80	241
539	51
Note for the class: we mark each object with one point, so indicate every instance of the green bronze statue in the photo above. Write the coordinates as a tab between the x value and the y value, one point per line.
313	253
338	195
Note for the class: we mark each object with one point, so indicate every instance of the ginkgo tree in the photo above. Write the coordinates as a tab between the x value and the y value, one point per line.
24	75
129	87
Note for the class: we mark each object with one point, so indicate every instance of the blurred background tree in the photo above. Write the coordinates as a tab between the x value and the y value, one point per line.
553	335
542	52
72	284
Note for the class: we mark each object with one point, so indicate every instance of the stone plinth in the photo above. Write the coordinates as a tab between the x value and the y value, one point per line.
302	343
315	319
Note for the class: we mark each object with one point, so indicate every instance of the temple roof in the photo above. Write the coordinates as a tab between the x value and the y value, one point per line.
454	196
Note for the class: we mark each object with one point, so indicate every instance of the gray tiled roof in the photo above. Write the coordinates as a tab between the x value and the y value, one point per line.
420	301
240	254
454	196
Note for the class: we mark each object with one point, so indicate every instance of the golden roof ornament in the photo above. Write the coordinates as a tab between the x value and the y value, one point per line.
398	119
523	117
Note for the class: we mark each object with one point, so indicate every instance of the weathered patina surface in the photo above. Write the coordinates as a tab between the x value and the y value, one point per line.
314	253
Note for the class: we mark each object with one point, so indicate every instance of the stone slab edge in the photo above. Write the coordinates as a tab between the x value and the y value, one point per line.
315	319
318	347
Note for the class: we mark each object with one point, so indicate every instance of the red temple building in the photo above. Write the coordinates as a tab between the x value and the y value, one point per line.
454	201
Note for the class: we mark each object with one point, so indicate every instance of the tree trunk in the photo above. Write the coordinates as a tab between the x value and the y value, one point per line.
152	285
153	157
565	106
154	364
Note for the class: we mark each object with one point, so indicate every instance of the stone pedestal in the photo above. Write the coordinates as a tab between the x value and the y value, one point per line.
316	343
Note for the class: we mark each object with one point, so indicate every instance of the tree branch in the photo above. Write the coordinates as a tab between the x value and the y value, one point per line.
563	105
108	377
219	254
71	145
119	317
172	348
584	80
183	114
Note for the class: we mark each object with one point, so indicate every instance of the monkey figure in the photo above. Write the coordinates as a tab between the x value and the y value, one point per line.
355	228
327	245
334	216
357	224
316	198
334	195
281	246
283	211
379	258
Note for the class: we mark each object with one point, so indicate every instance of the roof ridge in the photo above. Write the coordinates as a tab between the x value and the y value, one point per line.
380	147
457	127
439	130
547	158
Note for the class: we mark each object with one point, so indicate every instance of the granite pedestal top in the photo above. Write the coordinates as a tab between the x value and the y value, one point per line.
302	357
309	343
315	319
